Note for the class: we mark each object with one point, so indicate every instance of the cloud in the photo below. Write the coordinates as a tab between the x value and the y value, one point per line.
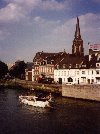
16	10
88	22
90	30
12	12
44	23
35	31
41	4
53	5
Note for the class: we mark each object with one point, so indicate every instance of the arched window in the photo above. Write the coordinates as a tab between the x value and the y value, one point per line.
70	79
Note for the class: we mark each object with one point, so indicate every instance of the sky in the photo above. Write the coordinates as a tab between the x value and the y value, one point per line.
31	26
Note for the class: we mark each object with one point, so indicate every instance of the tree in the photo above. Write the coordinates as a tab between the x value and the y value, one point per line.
18	70
3	69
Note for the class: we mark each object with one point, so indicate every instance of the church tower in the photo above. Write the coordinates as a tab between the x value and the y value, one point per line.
77	47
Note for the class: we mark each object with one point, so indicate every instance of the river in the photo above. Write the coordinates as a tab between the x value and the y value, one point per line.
69	116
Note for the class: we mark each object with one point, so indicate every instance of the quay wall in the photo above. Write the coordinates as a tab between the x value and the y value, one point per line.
89	92
23	84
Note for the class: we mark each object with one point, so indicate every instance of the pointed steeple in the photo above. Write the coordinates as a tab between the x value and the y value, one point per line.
77	32
77	47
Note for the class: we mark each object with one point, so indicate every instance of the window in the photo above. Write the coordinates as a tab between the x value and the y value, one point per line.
83	72
83	65
70	79
97	65
97	71
57	66
88	72
83	79
70	66
64	73
77	65
92	80
68	72
92	71
77	72
64	66
64	79
59	73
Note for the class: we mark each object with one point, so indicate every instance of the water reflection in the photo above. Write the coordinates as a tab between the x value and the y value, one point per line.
69	116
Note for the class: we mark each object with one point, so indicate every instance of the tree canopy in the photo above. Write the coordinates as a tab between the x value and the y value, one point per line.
18	70
3	69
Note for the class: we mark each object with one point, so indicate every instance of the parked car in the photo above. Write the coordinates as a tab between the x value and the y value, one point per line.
46	80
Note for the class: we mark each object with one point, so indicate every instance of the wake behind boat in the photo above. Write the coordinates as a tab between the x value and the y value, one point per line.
36	101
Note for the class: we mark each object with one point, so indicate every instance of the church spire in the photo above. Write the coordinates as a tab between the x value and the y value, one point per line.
77	32
77	47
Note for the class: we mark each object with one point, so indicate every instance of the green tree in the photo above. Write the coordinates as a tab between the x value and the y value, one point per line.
3	69
18	70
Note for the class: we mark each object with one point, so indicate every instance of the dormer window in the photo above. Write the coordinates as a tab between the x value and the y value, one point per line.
35	63
97	64
84	65
57	66
64	66
70	65
52	61
97	71
77	65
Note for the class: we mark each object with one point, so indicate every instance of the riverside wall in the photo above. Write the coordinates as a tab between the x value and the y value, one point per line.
23	84
89	92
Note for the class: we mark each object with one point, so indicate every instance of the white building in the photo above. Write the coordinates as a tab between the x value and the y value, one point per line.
77	76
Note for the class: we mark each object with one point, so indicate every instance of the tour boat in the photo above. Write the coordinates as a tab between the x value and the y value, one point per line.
35	101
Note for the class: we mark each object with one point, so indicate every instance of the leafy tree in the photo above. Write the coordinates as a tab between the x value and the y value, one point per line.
18	70
3	69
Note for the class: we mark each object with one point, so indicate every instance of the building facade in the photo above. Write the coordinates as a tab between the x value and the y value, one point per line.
77	76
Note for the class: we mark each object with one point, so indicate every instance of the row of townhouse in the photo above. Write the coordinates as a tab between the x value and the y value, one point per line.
77	76
68	69
74	72
67	76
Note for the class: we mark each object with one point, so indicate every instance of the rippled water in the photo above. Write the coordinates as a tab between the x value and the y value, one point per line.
69	116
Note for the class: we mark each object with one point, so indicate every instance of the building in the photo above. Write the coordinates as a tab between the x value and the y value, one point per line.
45	63
82	71
76	68
28	71
94	51
68	68
77	76
77	47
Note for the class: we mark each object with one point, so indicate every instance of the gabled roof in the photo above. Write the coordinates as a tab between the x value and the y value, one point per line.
69	61
61	59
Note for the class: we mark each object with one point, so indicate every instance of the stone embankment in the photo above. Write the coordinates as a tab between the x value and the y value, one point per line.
87	92
90	92
22	84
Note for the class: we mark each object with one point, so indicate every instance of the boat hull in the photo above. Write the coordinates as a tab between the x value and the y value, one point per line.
33	102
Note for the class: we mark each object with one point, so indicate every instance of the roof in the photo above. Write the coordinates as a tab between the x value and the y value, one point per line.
29	66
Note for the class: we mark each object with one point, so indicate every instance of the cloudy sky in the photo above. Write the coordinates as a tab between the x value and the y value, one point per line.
30	26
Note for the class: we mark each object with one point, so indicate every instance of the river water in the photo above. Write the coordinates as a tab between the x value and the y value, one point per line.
69	116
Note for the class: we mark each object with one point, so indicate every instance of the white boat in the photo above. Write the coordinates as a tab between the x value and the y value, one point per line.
35	101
